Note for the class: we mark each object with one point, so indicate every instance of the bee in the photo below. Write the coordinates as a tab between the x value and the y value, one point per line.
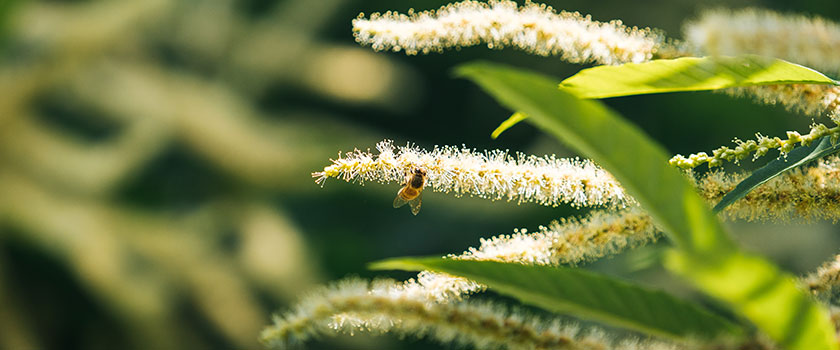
412	190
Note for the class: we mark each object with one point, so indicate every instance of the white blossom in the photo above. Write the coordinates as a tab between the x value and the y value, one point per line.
807	40
353	305
492	175
534	28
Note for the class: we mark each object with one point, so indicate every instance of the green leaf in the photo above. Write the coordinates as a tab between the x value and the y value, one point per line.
641	166
799	156
754	287
688	74
581	293
507	124
597	132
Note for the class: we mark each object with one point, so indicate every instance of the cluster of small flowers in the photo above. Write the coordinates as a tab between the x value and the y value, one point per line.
570	241
761	146
807	40
354	305
535	28
492	175
825	282
539	30
439	287
814	100
803	193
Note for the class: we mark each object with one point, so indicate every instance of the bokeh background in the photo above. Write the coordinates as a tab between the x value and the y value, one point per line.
155	160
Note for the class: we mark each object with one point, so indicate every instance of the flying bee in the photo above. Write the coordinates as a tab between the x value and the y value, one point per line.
412	190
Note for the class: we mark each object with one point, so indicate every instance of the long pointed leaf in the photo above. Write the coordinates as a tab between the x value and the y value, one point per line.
620	147
783	312
688	74
581	293
798	157
681	74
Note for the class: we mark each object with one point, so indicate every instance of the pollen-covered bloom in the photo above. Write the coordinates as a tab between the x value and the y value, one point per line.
439	287
825	282
808	40
493	175
814	100
569	241
534	28
353	306
800	194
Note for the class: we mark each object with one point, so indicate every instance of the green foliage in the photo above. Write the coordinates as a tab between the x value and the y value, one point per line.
681	74
798	157
582	293
706	255
755	288
621	148
688	74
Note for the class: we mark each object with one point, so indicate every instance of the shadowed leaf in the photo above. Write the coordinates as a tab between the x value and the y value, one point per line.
799	156
753	287
581	293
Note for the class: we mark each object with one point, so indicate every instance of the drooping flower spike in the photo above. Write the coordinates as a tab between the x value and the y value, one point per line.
492	175
807	40
352	306
533	28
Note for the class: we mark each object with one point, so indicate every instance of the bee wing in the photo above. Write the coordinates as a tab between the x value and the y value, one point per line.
415	203
398	202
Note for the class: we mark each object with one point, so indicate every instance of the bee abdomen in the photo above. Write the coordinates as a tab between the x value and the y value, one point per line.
408	193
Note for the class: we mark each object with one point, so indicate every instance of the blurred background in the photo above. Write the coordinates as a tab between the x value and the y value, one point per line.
155	160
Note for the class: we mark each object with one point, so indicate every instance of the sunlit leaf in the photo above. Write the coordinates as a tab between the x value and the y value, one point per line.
641	166
688	74
755	288
581	293
507	124
798	157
